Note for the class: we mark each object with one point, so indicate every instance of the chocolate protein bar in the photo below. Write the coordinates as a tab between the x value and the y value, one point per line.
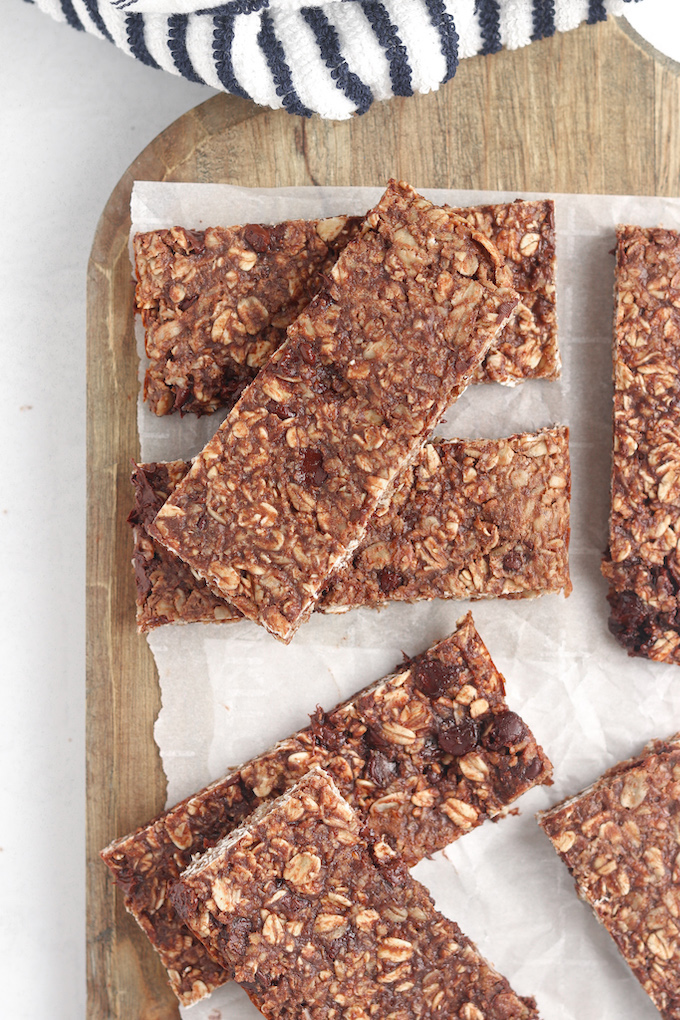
619	839
641	562
282	494
317	919
215	303
469	519
423	755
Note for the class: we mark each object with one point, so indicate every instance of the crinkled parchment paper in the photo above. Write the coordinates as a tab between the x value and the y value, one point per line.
229	692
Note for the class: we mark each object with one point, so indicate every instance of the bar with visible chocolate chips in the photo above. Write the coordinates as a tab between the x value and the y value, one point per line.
469	519
317	918
619	839
424	756
641	562
282	494
215	303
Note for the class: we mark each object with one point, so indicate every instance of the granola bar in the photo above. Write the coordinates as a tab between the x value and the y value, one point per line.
469	519
315	917
641	562
167	591
524	233
215	304
424	755
282	494
619	839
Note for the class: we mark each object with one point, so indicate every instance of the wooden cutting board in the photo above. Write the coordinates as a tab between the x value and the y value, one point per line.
592	110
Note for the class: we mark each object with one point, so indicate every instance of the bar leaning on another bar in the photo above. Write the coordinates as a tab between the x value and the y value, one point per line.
424	755
319	920
215	303
469	519
642	563
282	494
619	839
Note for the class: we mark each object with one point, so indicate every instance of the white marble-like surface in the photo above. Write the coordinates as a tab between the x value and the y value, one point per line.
658	21
74	113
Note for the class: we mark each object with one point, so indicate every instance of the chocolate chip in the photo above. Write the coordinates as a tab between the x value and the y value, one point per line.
512	561
435	678
325	734
257	237
506	730
239	931
389	580
194	242
182	394
632	622
532	768
307	352
312	467
380	770
510	779
187	302
458	738
280	409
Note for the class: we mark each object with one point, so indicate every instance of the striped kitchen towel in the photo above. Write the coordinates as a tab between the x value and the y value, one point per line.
333	58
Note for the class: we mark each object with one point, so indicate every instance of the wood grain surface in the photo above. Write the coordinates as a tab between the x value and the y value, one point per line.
593	110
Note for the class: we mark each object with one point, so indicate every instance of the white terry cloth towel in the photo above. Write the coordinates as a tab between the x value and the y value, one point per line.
333	58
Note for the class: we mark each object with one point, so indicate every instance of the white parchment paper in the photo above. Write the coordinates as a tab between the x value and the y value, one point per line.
229	692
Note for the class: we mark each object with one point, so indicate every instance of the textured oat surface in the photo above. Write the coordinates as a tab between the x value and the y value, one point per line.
318	919
424	756
215	304
641	563
620	840
524	233
283	492
470	519
167	591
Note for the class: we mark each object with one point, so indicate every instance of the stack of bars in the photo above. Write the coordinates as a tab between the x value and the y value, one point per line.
419	759
347	341
335	347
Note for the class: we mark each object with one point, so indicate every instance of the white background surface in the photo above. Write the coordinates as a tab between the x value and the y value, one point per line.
74	113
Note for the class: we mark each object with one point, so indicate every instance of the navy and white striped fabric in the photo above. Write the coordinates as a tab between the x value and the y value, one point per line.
333	58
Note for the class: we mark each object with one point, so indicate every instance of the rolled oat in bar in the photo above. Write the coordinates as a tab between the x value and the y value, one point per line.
215	304
469	519
282	494
317	919
424	756
641	562
619	839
